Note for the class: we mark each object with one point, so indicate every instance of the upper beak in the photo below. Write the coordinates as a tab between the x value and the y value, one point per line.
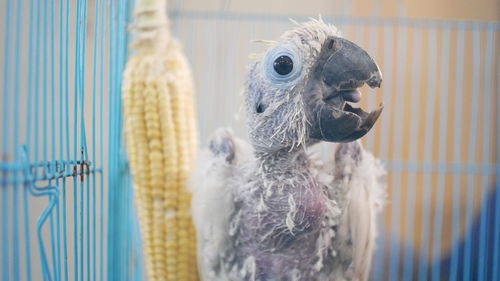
340	69
346	66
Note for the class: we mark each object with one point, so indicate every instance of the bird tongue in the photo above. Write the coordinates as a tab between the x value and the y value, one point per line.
351	95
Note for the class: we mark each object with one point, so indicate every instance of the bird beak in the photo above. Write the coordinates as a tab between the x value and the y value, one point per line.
341	68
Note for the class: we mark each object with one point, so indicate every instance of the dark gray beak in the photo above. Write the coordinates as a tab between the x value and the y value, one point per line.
340	69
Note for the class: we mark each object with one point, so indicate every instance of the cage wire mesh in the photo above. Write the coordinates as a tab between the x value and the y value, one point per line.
65	214
66	211
438	135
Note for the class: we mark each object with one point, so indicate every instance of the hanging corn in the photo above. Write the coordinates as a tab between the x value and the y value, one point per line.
161	141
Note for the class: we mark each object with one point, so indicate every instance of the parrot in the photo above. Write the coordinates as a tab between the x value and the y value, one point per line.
270	208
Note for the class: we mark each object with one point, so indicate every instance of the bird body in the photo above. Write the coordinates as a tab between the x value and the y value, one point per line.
271	210
290	217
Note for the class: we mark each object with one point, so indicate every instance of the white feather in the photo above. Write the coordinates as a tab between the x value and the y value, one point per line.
212	203
364	197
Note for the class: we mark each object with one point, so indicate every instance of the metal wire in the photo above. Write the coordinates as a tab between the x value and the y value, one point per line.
53	157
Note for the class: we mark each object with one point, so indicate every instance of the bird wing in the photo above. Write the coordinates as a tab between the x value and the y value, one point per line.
212	202
359	177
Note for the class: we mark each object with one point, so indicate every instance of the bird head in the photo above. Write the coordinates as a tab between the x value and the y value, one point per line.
296	94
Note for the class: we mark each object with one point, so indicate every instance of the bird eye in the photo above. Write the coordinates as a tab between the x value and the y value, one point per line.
283	65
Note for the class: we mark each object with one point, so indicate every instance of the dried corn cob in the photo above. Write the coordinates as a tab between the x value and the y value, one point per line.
161	141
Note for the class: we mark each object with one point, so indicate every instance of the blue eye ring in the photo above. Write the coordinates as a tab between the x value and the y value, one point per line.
284	74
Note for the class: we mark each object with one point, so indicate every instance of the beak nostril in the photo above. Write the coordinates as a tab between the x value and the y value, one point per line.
330	44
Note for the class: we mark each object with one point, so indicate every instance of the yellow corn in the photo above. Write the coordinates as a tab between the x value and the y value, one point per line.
160	131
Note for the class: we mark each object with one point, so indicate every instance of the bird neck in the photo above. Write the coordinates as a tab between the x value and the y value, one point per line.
283	160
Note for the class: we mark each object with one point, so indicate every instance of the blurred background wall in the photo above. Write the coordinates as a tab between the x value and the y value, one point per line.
438	134
427	9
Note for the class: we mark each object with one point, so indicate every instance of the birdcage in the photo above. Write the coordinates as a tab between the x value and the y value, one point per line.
63	184
66	208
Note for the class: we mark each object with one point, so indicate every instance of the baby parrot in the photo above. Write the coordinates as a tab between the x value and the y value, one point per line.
271	210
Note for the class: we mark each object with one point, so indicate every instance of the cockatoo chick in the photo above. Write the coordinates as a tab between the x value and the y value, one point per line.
271	210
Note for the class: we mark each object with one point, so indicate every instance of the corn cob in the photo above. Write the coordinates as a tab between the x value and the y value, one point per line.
161	138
